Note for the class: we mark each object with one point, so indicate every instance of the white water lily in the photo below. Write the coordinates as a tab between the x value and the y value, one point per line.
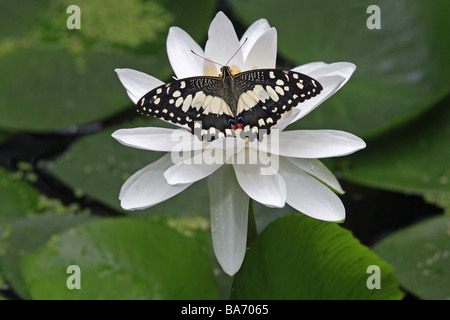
292	174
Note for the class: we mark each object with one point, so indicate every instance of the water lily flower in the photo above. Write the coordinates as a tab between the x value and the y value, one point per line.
281	168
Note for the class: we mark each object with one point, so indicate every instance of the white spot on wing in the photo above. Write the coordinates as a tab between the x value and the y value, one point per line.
272	93
262	94
178	102
216	105
197	101
261	122
279	90
246	102
187	103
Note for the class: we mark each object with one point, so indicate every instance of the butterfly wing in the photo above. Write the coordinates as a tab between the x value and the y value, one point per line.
195	102
258	99
269	93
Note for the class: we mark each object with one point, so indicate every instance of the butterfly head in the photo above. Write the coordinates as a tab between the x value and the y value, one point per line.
229	71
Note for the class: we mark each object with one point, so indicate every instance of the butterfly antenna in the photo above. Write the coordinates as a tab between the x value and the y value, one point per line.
237	51
206	58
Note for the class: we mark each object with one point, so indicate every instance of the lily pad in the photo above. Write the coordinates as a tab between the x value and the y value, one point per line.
297	257
68	74
17	197
23	235
420	255
21	18
400	67
69	90
413	158
120	258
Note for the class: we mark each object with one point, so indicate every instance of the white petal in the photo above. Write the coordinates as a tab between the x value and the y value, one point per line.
204	162
182	173
263	53
228	146
321	69
223	42
317	169
158	139
330	85
270	190
184	63
258	28
309	196
148	187
331	76
314	144
229	217
137	83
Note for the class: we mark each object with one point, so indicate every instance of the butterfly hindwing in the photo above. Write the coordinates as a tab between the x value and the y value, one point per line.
248	103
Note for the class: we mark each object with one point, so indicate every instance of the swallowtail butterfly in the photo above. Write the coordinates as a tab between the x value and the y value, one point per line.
246	104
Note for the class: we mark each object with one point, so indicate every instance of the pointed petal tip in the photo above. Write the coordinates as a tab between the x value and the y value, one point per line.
336	214
230	269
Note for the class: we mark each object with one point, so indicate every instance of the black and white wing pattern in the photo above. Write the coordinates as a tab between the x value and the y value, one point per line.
195	102
247	104
266	94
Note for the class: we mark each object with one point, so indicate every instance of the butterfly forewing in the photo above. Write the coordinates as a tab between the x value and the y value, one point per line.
247	104
180	101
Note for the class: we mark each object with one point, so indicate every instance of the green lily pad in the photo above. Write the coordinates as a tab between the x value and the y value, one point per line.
23	235
20	199
136	25
68	74
297	257
420	255
17	197
400	67
21	18
131	24
69	90
413	158
27	220
119	258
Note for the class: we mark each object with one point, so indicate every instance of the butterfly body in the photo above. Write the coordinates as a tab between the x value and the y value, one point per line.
247	104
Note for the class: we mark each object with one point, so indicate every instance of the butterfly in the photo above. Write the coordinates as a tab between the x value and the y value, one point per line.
246	104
